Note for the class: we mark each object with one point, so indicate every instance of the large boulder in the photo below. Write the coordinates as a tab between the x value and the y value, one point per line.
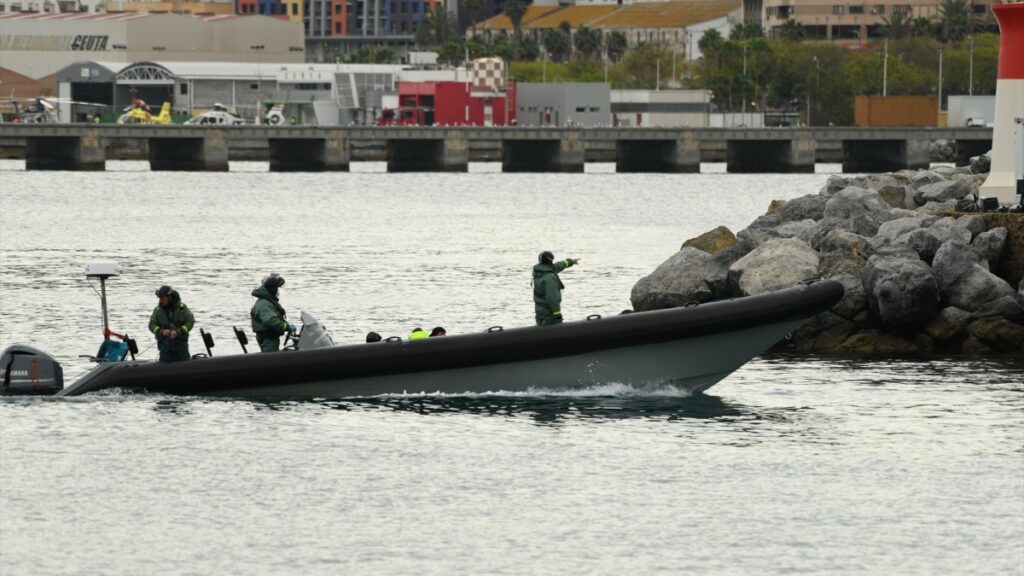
990	245
942	191
854	299
761	230
998	333
713	241
826	331
857	210
902	293
810	207
897	195
924	178
844	252
778	263
967	284
946	229
981	164
678	280
920	241
949	325
801	229
974	224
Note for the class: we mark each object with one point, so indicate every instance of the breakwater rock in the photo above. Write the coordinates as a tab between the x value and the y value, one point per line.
923	270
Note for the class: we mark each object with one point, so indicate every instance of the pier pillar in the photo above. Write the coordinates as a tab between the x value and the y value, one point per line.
528	155
672	156
885	155
65	152
329	154
209	154
787	156
450	154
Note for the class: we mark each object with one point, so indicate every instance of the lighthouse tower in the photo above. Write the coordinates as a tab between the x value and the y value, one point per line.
1008	134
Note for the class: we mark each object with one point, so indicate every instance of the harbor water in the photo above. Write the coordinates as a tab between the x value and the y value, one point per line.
793	464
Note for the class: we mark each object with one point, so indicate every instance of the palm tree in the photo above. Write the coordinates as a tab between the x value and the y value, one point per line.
515	10
434	28
792	30
896	26
957	20
616	45
587	42
921	27
473	8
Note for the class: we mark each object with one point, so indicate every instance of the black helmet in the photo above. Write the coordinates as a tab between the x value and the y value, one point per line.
164	290
546	257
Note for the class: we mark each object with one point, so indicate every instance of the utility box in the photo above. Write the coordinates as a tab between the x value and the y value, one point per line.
875	111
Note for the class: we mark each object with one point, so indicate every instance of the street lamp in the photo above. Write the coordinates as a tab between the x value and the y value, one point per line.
970	85
258	48
817	70
940	78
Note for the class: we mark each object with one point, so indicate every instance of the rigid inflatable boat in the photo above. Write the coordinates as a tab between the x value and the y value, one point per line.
690	348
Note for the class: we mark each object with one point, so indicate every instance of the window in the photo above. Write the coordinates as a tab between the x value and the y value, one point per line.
337	8
295	9
878	9
856	9
254	86
838	9
581	109
337	27
183	89
263	8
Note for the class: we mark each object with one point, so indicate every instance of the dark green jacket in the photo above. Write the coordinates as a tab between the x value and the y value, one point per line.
268	317
547	290
177	316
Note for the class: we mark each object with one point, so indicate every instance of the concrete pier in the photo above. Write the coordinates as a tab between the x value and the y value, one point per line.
204	154
329	154
769	155
450	149
565	154
885	155
670	156
428	155
66	152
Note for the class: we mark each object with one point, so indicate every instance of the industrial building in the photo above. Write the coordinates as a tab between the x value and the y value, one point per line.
661	108
34	47
563	104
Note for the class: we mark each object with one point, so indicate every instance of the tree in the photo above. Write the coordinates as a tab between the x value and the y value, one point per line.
746	30
957	20
435	28
452	51
921	27
472	8
710	41
792	31
515	10
587	42
556	44
616	45
896	26
639	68
527	48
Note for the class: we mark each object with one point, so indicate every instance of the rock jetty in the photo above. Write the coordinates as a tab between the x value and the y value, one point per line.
924	271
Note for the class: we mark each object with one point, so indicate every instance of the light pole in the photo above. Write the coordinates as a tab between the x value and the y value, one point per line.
885	69
817	69
940	78
970	81
744	80
258	48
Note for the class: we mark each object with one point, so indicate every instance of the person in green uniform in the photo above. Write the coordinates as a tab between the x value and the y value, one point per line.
269	320
547	288
171	322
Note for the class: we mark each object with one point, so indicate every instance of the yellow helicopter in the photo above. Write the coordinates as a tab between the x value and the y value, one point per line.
140	113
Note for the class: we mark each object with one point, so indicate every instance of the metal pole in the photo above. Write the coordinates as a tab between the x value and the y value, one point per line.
970	87
657	74
103	304
674	77
940	78
885	70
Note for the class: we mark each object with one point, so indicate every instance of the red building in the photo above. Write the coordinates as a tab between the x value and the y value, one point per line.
451	104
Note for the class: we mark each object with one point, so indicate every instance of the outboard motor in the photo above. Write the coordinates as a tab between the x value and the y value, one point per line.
313	335
25	370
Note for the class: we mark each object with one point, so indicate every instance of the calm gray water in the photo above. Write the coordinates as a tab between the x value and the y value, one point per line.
792	464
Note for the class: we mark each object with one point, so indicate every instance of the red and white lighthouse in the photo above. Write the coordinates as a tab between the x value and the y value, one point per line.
1007	134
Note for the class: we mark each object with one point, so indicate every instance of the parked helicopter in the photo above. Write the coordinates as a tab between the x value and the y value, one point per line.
140	113
220	115
38	110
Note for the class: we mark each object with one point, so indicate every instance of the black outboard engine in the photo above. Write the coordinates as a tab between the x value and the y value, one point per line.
28	371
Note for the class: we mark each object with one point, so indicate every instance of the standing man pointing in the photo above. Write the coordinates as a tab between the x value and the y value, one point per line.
547	288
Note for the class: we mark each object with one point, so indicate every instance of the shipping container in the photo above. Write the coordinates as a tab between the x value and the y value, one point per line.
872	111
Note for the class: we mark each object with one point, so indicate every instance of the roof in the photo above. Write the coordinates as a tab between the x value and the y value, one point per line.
119	16
576	16
253	70
673	14
502	22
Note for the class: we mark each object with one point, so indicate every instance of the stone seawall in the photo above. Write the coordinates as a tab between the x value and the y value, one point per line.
923	270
